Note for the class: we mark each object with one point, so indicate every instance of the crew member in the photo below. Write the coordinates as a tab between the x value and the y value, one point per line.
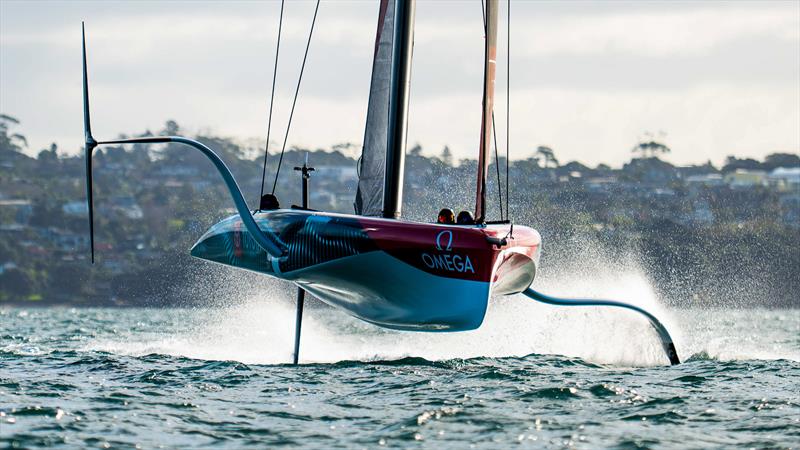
268	203
446	216
465	218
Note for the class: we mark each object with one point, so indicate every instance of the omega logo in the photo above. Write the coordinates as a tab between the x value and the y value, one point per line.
449	245
451	262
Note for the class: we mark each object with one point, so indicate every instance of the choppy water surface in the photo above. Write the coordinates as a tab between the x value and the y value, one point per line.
213	377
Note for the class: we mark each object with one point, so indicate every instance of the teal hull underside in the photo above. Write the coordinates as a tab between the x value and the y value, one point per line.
343	261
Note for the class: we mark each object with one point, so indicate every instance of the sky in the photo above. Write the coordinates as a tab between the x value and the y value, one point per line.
588	79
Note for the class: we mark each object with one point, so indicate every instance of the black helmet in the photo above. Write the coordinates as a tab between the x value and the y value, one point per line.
268	202
446	215
465	218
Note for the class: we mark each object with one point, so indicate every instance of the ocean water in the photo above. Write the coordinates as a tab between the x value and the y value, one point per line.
531	376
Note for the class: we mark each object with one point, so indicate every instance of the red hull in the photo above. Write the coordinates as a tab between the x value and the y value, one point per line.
397	274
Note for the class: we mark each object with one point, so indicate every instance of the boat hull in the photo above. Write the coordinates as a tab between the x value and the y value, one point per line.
396	274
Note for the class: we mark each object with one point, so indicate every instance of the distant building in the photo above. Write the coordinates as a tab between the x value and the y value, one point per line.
7	266
128	207
19	210
743	178
75	209
574	175
785	179
706	179
600	184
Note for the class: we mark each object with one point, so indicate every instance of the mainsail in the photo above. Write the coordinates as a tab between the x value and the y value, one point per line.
369	198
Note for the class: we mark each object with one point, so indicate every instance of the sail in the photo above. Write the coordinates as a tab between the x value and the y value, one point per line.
489	68
369	198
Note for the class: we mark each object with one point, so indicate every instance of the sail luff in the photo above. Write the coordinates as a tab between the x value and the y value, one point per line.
369	197
489	71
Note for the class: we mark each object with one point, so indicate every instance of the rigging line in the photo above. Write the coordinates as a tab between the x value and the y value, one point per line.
508	105
294	102
497	168
494	131
271	101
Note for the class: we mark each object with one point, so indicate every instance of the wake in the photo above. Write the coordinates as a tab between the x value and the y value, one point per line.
259	329
250	319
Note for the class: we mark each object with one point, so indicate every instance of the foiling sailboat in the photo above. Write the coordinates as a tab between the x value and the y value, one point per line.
373	264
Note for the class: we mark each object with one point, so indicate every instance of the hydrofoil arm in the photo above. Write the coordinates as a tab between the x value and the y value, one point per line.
267	240
666	339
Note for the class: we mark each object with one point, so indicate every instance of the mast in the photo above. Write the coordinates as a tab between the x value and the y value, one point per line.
402	49
489	69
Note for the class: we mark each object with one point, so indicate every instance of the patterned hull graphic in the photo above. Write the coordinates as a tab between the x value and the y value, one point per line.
400	275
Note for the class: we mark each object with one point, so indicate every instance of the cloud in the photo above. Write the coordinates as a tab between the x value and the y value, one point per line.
589	77
660	34
668	29
335	25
